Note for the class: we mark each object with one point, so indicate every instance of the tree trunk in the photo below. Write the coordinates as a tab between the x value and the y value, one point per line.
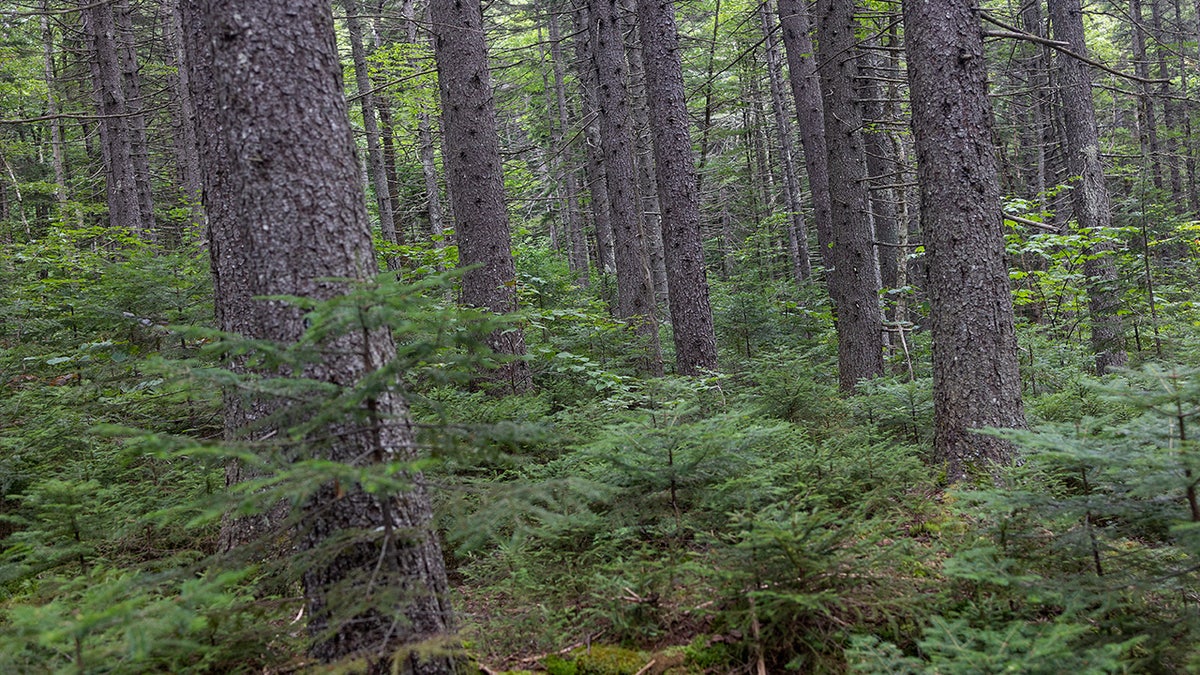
139	149
287	214
366	99
635	290
678	196
56	137
854	279
116	139
1092	209
183	114
879	168
577	256
474	175
976	382
1147	120
597	181
797	230
810	113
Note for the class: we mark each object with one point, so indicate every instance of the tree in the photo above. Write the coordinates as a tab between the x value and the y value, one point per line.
287	217
1090	195
806	88
976	382
854	279
678	192
122	129
635	291
474	175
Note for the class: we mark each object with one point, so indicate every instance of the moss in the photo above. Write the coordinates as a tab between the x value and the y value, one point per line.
608	660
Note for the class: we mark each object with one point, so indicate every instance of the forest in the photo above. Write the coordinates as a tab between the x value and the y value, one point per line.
599	337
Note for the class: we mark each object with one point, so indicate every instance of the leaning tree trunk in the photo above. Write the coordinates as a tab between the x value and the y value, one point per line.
678	191
474	175
976	382
854	279
1092	209
366	99
635	291
288	217
810	114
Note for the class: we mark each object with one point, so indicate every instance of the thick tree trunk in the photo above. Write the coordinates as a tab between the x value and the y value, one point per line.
797	230
976	382
678	196
474	175
854	279
635	290
376	167
1092	209
287	214
806	88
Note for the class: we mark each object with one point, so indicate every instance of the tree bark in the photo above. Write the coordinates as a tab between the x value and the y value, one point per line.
577	255
976	382
678	195
474	175
596	179
635	290
797	230
810	114
366	100
287	215
119	156
183	114
1092	209
854	279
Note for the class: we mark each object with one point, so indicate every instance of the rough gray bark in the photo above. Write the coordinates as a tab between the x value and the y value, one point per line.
56	137
678	191
426	150
639	109
635	290
1170	107
183	116
976	382
474	175
577	255
118	152
854	279
1147	118
139	147
1092	208
287	214
597	181
797	230
879	170
810	114
366	99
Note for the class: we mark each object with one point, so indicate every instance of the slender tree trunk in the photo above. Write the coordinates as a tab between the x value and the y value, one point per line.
116	140
56	136
139	149
806	88
376	167
650	209
797	230
854	279
1147	119
597	180
183	114
577	256
678	190
1092	208
635	290
879	168
474	175
976	382
1170	107
287	214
